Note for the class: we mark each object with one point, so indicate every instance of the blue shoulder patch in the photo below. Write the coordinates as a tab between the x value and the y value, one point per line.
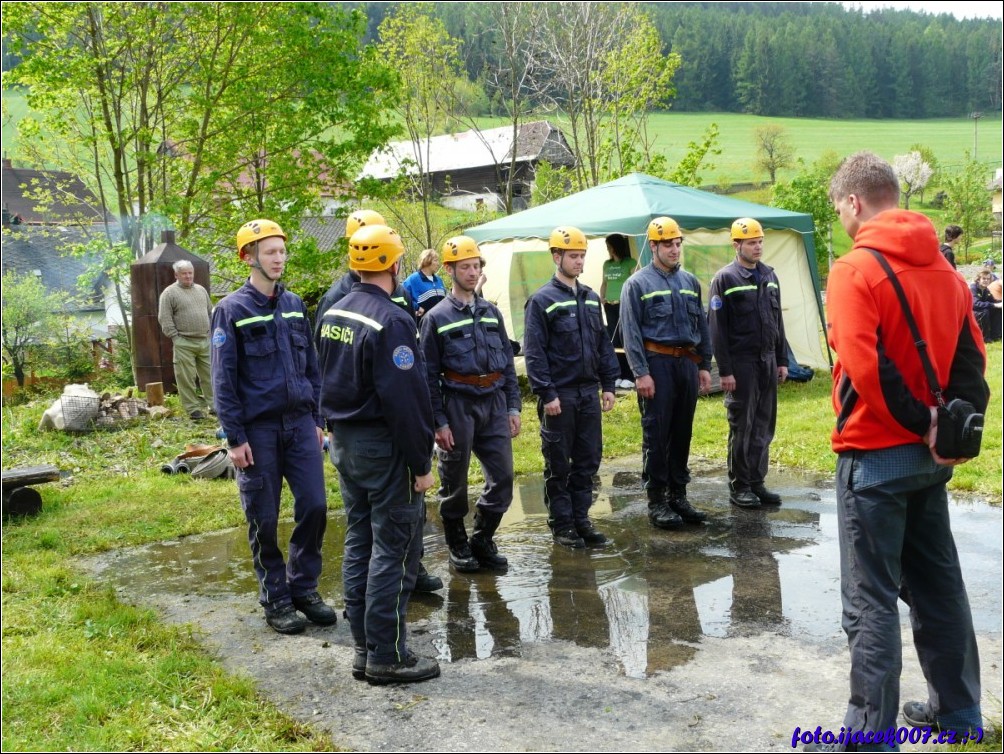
404	357
716	302
219	337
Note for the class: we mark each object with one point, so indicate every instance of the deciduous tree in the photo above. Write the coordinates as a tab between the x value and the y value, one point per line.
913	173
773	150
29	313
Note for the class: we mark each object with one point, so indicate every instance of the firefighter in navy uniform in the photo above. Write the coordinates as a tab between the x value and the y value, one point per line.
568	358
748	336
266	387
668	348
476	405
373	383
340	288
426	582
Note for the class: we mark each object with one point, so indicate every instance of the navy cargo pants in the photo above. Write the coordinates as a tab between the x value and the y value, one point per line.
383	536
752	412
287	448
667	422
572	445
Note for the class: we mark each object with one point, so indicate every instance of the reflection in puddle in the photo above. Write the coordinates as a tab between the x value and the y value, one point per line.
648	598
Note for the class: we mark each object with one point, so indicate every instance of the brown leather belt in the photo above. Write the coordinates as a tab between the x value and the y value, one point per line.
686	353
478	380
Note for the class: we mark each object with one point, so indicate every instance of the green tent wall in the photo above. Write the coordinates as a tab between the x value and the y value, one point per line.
517	261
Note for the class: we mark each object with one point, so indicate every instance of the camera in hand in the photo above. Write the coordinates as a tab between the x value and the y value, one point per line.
960	430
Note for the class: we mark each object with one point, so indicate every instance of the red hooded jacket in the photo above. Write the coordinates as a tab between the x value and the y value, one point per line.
880	391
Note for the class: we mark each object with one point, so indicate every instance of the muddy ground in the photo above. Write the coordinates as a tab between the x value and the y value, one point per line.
743	688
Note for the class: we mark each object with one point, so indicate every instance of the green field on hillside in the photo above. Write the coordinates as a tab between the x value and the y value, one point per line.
811	138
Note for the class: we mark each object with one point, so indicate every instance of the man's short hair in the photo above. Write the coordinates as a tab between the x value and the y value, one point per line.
183	264
952	232
869	176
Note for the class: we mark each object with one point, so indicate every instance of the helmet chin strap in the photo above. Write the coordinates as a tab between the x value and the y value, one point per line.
256	265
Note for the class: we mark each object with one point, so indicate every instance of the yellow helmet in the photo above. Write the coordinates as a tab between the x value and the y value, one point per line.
256	230
663	229
746	227
459	248
362	217
568	238
374	248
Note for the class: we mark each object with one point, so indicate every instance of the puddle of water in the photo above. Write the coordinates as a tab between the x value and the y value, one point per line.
648	598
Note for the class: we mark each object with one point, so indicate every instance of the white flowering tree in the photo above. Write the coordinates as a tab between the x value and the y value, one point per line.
913	173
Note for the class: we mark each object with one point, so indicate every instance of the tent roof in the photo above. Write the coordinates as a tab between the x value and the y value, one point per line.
629	203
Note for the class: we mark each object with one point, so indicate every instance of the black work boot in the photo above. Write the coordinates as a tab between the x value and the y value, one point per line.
285	620
359	663
426	583
590	534
744	499
766	496
461	557
483	546
678	502
412	669
316	610
660	515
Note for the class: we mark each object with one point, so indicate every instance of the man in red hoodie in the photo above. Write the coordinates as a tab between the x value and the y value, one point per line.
892	505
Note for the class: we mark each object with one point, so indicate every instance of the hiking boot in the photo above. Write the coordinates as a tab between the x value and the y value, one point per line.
285	620
919	715
590	534
765	496
744	499
679	504
426	582
315	609
412	669
486	523
569	537
461	557
359	663
197	415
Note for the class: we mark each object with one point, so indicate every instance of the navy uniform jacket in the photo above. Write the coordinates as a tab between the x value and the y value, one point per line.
263	364
665	308
745	317
470	340
565	342
341	288
373	372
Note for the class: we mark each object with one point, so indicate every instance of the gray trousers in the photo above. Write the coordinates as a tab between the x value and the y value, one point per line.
383	537
481	426
896	543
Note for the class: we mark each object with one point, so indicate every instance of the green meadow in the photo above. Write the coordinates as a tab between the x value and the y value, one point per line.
671	132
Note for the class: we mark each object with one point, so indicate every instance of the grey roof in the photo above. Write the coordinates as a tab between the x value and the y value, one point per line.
538	140
71	199
327	230
40	251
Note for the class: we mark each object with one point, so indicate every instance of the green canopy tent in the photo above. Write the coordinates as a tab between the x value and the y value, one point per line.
517	261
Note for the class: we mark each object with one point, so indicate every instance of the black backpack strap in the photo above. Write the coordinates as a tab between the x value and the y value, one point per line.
918	341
